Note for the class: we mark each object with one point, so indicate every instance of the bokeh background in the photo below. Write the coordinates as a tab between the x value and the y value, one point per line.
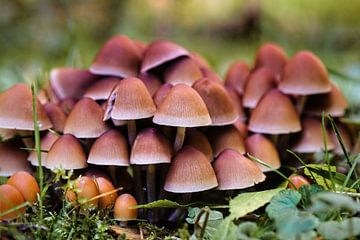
38	35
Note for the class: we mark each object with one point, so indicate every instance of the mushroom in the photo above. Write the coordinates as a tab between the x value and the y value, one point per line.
85	120
105	186
130	100
118	57
259	146
67	105
101	89
26	184
150	148
234	171
10	197
298	181
182	107
237	75
273	57
190	171
85	190
70	82
258	84
220	106
46	142
199	141
237	101
200	60
73	158
124	210
151	81
160	52
161	93
21	116
56	115
184	70
12	158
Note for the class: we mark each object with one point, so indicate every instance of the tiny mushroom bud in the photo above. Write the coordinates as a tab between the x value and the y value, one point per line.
85	189
105	186
10	197
26	184
123	210
298	181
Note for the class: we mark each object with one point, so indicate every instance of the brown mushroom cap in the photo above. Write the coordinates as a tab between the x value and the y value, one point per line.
66	153
10	197
311	139
190	171
86	120
151	147
184	70
70	82
274	114
226	138
56	115
152	82
234	171
218	102
160	52
104	186
305	74
259	82
237	75
101	89
211	75
26	184
46	142
111	148
16	109
333	103
86	189
12	158
237	100
273	57
242	128
161	93
200	60
199	141
262	148
67	105
118	57
132	101
123	209
182	107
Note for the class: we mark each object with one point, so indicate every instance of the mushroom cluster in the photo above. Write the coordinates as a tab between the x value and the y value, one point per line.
159	120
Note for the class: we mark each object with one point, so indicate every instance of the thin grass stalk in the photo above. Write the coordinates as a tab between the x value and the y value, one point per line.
326	151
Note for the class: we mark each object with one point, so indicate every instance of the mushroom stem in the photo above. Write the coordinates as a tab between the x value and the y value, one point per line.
179	139
112	172
178	214
301	104
151	190
131	128
138	187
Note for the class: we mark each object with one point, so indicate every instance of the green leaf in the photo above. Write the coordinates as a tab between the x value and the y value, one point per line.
226	230
296	225
248	202
163	204
307	192
340	230
283	203
325	201
215	218
247	231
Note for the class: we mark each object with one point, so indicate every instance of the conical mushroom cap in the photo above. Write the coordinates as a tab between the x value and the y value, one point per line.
67	105
101	90
305	74
234	171
259	146
190	171
46	142
218	102
199	141
311	139
200	60
226	138
12	158
237	75
150	147
111	148
259	83
132	101
274	114
333	103
86	120
159	52
16	109
184	71
161	93
151	82
182	107
66	153
236	99
273	57
70	82
118	57
56	115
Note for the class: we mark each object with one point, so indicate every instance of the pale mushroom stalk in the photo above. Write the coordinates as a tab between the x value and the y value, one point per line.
179	139
131	128
151	190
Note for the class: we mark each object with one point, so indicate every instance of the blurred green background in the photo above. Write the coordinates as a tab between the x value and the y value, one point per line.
38	35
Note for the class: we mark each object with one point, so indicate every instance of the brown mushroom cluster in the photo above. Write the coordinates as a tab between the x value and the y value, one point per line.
158	120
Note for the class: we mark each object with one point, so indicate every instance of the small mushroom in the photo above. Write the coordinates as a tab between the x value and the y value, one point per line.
123	209
57	116
10	197
237	76
46	142
227	137
101	89
26	184
105	186
12	158
199	141
185	71
85	189
151	81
